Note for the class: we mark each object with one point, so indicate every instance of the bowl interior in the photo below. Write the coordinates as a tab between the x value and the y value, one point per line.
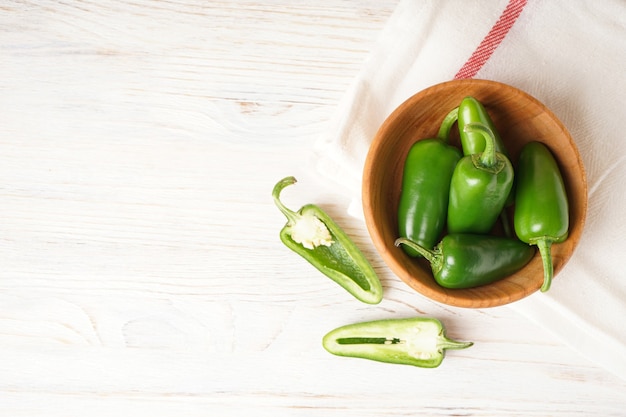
519	119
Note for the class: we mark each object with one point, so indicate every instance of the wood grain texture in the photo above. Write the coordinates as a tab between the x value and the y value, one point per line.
141	268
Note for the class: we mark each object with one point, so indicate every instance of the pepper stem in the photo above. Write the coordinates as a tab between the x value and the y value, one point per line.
446	343
544	246
430	255
292	216
488	156
446	125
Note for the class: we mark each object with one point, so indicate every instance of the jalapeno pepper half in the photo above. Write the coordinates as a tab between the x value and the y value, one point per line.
312	234
412	341
479	188
541	214
423	206
466	260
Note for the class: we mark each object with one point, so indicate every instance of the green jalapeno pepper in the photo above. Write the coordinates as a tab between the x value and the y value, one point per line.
312	234
422	210
412	341
466	260
541	214
479	188
471	111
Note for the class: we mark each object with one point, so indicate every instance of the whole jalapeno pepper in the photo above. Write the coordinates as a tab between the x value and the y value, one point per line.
312	234
422	210
541	214
419	341
471	111
479	188
467	261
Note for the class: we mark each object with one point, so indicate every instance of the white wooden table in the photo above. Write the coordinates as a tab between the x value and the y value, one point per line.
142	272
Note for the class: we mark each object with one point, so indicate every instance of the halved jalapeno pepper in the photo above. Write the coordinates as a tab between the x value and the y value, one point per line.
410	341
312	234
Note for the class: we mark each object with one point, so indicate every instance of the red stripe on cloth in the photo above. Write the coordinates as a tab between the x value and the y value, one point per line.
492	40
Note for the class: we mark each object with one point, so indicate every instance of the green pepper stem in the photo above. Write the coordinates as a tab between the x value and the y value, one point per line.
545	246
446	125
431	256
488	156
292	216
445	343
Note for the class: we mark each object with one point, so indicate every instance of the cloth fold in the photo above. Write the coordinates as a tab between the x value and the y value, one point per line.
569	55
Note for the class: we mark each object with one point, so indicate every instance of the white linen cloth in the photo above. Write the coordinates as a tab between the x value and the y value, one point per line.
570	55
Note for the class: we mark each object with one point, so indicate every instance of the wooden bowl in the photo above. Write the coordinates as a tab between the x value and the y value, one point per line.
519	119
